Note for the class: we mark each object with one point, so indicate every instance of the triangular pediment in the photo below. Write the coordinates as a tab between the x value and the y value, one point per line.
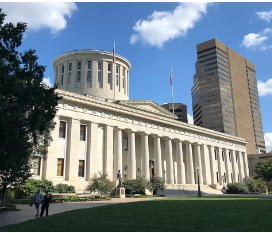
148	106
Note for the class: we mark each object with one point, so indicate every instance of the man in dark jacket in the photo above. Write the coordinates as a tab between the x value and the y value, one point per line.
45	205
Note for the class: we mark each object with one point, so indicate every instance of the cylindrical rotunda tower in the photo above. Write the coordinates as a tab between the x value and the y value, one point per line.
92	72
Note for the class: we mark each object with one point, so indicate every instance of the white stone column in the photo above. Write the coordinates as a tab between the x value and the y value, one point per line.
205	160
213	165
118	153
198	163
131	156
244	154
169	161
241	167
108	159
234	163
145	156
157	156
221	165
51	162
72	153
189	164
228	166
180	163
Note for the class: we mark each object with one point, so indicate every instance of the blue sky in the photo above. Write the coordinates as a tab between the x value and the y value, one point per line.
153	37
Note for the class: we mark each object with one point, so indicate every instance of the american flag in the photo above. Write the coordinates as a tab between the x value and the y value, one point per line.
114	53
171	77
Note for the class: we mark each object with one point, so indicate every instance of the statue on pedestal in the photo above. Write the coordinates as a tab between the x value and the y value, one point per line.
119	177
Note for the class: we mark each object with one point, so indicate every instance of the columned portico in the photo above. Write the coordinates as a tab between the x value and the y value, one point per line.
241	168
220	165
228	165
213	163
234	162
245	162
157	156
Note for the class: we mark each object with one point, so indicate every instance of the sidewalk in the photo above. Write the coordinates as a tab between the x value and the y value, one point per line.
25	212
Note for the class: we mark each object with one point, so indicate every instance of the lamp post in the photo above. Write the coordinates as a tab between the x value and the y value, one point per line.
199	193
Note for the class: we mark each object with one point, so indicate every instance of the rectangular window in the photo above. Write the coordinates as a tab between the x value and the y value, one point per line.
89	76
117	69
82	132
217	176
236	158
99	65
222	155
60	167
229	156
109	67
99	76
78	76
62	69
117	80
231	177
225	180
123	72
215	154
62	79
89	65
70	66
123	82
81	168
79	65
109	77
36	163
126	143
62	129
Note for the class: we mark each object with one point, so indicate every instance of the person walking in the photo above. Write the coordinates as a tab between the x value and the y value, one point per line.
45	204
37	198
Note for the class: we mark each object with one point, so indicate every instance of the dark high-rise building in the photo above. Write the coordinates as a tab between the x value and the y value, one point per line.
179	109
225	95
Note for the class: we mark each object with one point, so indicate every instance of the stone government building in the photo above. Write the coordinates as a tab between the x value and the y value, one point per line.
140	138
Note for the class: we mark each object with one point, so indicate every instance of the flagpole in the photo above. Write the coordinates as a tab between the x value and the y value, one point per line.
172	92
114	78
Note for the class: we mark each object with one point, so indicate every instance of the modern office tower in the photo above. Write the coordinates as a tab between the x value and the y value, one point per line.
225	95
179	109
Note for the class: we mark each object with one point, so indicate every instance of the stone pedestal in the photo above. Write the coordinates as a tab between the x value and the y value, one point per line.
120	192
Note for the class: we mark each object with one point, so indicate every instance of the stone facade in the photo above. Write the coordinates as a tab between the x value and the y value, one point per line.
140	138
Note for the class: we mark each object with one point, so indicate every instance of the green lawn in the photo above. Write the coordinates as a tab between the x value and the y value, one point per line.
175	214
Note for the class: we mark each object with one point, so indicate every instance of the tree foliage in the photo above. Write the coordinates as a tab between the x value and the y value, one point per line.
27	107
136	186
257	185
156	183
237	188
263	170
100	183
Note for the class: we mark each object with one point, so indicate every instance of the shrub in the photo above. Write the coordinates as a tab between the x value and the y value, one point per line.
100	183
30	187
256	185
64	188
237	188
136	186
9	193
156	183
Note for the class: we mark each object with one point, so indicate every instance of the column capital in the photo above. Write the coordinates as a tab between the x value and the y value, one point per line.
177	140
142	133
117	128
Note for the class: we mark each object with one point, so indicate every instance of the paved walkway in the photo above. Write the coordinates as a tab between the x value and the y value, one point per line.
25	212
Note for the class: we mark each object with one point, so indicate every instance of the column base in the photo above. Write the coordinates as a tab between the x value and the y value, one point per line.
120	193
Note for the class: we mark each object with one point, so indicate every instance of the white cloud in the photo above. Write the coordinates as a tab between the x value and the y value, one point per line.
47	82
267	30
265	88
252	40
268	141
162	26
190	119
38	15
265	15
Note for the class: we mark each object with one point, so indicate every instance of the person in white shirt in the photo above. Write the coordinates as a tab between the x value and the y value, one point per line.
37	198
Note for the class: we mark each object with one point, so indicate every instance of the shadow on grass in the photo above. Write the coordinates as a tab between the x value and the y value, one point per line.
175	214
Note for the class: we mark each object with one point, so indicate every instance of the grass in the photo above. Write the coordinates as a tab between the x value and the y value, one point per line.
175	214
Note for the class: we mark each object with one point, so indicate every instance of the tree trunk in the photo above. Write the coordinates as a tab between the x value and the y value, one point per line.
3	194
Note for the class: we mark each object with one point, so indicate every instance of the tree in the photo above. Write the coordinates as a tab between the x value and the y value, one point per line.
100	183
156	183
263	170
27	107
